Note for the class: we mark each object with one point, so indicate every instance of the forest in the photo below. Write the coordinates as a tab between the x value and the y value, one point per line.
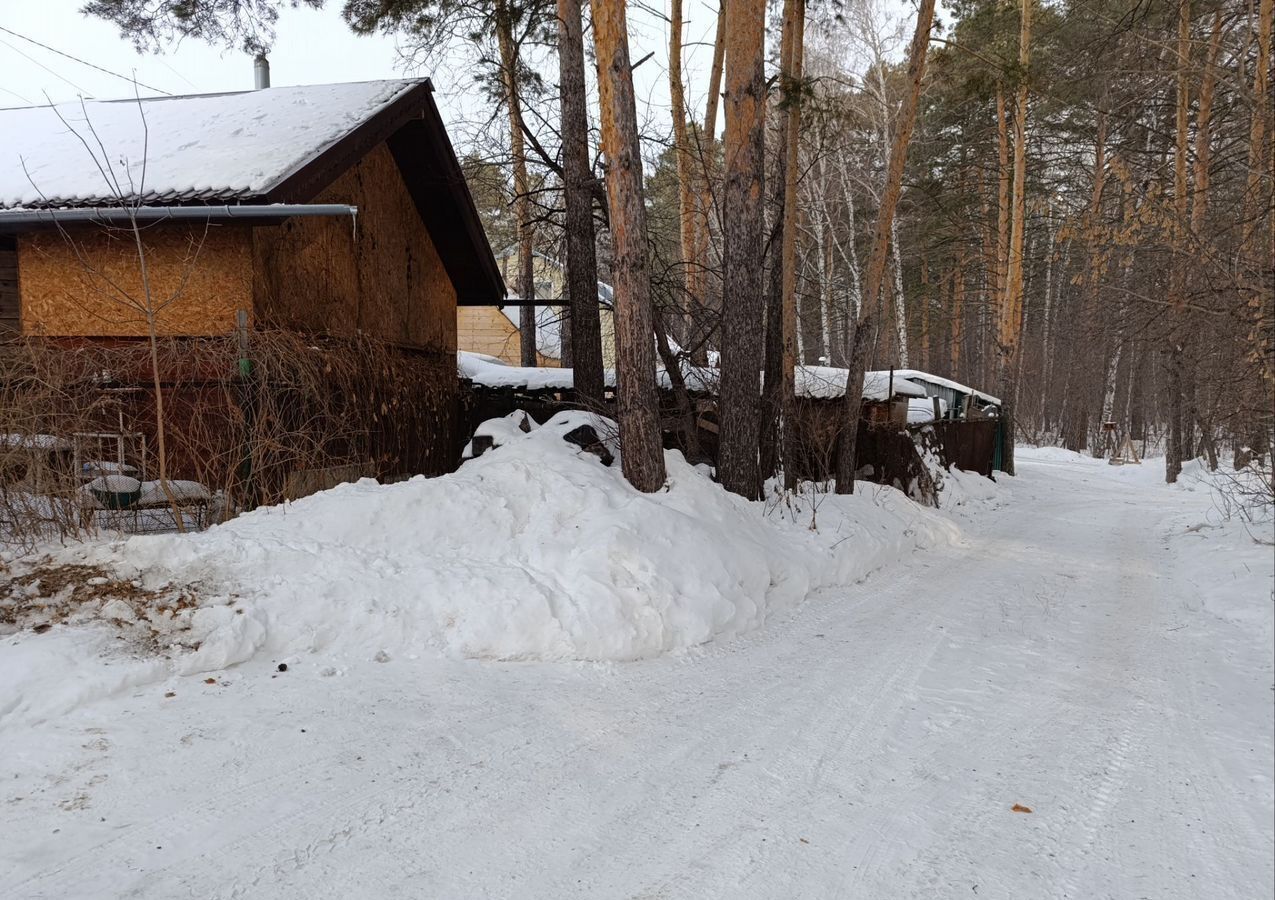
1067	203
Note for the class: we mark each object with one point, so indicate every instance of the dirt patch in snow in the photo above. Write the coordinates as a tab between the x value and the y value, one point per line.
39	595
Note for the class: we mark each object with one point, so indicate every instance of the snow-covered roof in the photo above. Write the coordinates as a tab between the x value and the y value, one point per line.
226	147
916	375
829	382
490	372
815	382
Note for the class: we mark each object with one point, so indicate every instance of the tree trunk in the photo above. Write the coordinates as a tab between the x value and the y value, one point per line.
642	453
681	395
855	306
1011	322
1003	182
705	175
794	31
823	264
1178	412
741	359
958	312
768	450
925	313
692	299
522	185
900	308
582	265
1075	414
1204	133
1256	243
848	446
1046	313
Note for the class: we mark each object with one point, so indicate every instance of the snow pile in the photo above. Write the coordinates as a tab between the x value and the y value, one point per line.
966	493
534	550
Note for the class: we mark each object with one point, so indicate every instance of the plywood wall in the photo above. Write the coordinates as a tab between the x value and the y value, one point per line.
379	274
89	283
485	329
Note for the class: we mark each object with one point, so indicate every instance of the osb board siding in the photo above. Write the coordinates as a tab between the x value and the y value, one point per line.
93	287
379	274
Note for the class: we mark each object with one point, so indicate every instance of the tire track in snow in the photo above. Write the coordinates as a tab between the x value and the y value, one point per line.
232	804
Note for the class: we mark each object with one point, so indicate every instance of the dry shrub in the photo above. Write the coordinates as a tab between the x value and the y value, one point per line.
254	421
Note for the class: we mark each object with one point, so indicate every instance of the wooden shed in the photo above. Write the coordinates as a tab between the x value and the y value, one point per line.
338	211
338	208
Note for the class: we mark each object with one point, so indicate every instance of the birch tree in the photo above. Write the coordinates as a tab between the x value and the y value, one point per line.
863	334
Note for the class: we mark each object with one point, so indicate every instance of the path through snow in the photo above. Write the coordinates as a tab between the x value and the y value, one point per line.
1080	653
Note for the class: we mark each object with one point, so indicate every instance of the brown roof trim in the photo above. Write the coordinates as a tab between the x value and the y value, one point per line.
413	130
304	183
432	173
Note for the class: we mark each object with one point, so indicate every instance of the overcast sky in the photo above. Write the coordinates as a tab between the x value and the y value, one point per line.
312	47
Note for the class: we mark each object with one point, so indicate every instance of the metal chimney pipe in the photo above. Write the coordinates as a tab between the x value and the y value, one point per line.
261	72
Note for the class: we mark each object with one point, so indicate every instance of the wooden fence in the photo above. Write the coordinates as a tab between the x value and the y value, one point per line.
967	444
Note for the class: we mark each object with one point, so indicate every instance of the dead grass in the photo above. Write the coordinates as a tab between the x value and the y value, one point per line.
44	594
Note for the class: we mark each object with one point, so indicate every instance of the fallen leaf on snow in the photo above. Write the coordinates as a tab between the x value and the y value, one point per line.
1018	807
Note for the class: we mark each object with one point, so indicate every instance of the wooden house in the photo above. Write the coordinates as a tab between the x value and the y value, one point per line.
330	210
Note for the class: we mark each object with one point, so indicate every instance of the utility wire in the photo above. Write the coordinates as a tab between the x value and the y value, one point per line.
16	94
42	65
81	62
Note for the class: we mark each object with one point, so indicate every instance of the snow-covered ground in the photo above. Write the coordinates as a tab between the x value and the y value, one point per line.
1082	641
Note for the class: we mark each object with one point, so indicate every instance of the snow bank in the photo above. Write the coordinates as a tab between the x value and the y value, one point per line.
534	550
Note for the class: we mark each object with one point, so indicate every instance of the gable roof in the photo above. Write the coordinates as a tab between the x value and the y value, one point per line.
272	146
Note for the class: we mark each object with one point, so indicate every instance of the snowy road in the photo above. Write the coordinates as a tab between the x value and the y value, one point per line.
1080	654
